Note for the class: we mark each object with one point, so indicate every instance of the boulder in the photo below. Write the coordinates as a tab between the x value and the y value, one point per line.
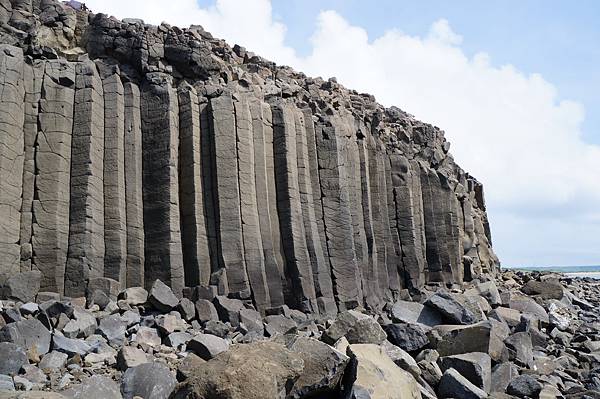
23	286
548	289
252	320
502	375
527	305
147	336
134	296
262	369
402	358
454	385
207	346
475	367
357	327
178	339
12	358
27	334
6	385
520	348
323	368
130	356
113	328
149	381
82	325
94	387
206	311
414	312
481	337
228	309
378	375
70	346
409	337
488	290
524	386
279	324
53	361
161	297
450	308
186	309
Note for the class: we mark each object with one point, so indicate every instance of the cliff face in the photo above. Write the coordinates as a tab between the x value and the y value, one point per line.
134	152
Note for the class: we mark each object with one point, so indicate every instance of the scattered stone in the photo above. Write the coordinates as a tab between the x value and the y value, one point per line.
27	334
450	308
70	346
6	384
279	324
53	361
379	376
134	296
475	367
12	358
358	328
524	386
228	309
147	336
113	328
454	385
162	297
207	346
149	381
409	337
130	357
187	309
415	313
94	387
23	286
206	311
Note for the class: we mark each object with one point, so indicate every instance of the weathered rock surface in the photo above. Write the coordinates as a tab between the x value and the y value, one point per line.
126	156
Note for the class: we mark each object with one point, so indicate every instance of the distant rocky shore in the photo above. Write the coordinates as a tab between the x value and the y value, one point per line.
519	335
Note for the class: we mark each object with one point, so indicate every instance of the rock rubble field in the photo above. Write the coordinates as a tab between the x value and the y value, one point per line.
518	335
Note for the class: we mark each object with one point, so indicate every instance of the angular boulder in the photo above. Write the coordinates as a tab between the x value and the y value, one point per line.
148	381
27	334
161	297
409	337
378	375
22	286
454	385
12	358
415	313
357	327
259	370
451	309
475	367
207	346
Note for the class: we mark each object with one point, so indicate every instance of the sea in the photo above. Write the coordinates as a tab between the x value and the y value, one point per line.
572	271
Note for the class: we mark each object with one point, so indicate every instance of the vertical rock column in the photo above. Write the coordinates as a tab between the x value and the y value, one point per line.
232	266
160	144
52	181
394	263
262	131
86	229
196	254
253	249
298	266
33	77
374	292
337	218
12	116
406	197
115	210
320	268
133	186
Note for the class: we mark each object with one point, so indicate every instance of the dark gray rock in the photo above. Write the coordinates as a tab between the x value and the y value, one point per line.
279	324
113	328
454	385
162	297
12	358
94	387
23	286
228	309
149	381
6	384
450	308
207	346
414	312
27	334
358	328
187	309
206	311
520	348
548	289
409	337
475	367
70	346
502	375
524	386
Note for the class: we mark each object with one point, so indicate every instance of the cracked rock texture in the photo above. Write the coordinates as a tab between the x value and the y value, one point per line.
131	152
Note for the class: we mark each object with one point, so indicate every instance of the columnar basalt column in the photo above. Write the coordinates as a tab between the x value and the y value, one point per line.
298	267
133	186
53	170
86	229
12	118
337	217
33	78
160	143
264	173
227	193
196	254
253	249
115	208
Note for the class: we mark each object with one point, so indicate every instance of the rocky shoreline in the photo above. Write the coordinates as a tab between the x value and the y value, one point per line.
520	334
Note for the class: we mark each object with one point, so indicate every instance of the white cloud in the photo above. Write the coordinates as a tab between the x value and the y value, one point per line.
510	129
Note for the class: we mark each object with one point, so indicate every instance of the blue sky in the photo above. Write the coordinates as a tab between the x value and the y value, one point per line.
514	84
559	39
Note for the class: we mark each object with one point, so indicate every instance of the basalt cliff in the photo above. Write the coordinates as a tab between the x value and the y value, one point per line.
131	153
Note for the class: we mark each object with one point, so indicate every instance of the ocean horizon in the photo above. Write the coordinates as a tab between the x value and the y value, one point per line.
592	271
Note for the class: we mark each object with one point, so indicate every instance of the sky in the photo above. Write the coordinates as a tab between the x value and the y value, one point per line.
514	84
